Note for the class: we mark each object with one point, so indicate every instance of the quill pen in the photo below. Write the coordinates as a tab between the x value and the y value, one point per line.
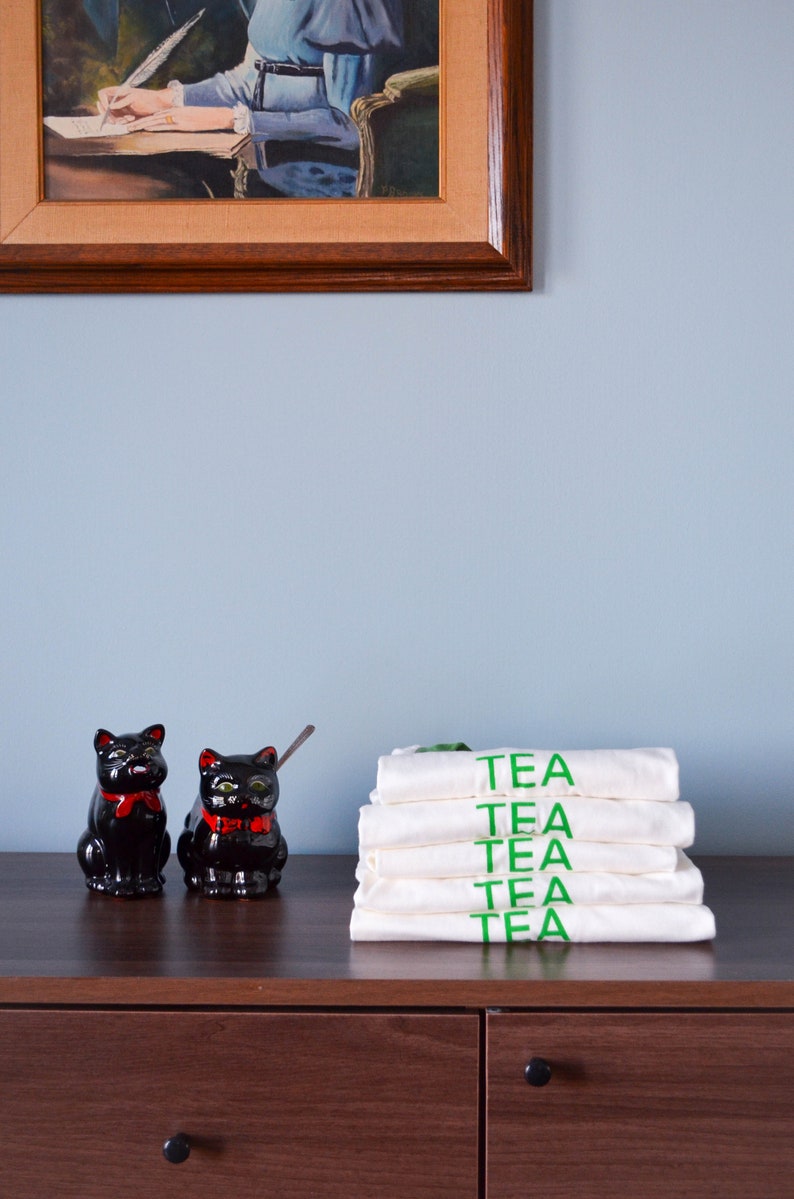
157	57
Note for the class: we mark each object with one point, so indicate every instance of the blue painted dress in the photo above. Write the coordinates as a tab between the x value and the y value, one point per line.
339	40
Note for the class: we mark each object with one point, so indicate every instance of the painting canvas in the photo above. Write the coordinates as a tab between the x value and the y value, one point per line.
240	99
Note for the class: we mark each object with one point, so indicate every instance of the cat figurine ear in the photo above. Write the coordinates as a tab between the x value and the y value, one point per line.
208	760
155	732
125	846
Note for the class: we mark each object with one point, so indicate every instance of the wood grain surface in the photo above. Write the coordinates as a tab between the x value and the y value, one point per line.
293	1105
301	1063
642	1106
60	943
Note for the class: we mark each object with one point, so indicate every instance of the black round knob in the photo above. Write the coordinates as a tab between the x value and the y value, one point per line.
537	1072
177	1149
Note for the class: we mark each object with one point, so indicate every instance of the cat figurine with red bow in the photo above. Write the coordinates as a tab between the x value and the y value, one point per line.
125	847
232	846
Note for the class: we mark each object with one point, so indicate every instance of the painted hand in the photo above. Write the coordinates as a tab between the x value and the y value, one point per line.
190	119
124	104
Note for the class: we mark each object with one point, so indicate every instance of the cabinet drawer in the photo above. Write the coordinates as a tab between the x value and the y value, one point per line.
641	1104
293	1104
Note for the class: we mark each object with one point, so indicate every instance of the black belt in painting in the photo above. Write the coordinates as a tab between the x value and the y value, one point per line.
289	69
285	68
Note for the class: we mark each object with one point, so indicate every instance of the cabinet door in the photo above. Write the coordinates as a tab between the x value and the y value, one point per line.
641	1105
293	1104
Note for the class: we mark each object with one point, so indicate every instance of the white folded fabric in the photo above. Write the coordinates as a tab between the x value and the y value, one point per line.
409	777
434	821
613	922
518	855
487	891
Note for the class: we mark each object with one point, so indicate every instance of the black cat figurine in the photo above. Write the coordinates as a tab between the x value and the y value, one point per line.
125	847
232	846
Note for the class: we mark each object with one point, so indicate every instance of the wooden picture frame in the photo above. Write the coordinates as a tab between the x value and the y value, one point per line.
475	236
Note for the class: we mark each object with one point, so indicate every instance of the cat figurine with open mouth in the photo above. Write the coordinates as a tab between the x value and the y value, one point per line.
125	846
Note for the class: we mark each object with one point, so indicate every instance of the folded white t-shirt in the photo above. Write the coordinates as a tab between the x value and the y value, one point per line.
518	855
416	895
408	777
612	922
429	822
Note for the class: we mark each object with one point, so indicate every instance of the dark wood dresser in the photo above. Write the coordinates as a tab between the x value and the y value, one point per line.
286	1061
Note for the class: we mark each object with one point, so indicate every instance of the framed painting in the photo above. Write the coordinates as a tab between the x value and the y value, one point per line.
265	145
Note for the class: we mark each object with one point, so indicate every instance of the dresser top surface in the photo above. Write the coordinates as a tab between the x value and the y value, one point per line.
60	943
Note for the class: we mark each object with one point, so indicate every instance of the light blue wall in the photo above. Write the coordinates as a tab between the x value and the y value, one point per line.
561	519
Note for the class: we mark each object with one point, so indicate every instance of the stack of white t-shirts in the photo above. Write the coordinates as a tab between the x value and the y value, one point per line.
528	845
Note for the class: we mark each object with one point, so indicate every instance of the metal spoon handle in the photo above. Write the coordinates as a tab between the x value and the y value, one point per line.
296	744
